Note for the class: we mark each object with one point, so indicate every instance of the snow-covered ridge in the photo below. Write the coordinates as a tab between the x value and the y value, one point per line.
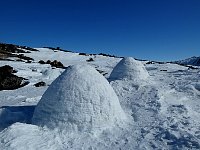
195	61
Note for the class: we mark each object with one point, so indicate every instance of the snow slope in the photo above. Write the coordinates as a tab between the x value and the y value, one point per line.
162	111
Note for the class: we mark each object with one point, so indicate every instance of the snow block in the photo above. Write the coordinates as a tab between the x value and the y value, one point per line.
80	99
129	68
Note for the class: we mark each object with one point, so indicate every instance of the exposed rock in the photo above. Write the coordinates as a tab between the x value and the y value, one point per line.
39	84
42	62
6	70
56	64
90	59
163	70
84	54
11	48
191	67
48	62
100	71
20	60
21	56
9	81
34	70
29	61
150	62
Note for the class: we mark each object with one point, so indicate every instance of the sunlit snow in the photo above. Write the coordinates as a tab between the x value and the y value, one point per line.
143	106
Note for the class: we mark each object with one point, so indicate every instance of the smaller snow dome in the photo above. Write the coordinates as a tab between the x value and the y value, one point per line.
129	68
80	99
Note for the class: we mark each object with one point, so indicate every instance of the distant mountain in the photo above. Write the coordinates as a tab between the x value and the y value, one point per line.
195	61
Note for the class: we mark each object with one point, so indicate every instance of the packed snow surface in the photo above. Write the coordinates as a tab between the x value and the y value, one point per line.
162	108
129	68
80	99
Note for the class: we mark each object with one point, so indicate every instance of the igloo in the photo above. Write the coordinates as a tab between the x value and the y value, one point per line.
129	68
80	99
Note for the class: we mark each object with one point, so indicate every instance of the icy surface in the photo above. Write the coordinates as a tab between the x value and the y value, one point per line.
129	68
80	99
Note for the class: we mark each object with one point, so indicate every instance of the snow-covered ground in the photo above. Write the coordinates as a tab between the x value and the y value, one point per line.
161	103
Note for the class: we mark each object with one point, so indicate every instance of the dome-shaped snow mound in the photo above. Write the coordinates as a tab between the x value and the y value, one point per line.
80	99
129	68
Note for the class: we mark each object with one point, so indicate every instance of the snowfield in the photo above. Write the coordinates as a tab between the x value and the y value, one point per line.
128	105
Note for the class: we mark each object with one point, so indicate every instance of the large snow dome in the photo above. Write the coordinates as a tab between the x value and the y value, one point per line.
129	68
80	99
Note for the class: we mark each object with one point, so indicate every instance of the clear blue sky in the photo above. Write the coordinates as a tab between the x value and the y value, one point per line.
146	29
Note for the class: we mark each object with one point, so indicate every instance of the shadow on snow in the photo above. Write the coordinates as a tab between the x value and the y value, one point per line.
13	114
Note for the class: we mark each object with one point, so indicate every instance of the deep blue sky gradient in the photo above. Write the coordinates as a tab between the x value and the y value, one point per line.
147	29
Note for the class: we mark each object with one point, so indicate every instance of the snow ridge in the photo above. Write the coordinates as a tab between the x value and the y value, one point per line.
195	61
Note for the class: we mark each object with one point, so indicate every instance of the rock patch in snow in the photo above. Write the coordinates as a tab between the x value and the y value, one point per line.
39	84
129	68
80	99
9	81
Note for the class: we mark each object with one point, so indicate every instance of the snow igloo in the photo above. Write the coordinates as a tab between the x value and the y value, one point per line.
129	68
80	99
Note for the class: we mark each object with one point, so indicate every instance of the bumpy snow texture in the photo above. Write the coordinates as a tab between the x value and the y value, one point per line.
80	99
129	68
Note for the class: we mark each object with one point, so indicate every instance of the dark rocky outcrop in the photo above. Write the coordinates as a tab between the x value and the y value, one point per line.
48	62
54	63
84	54
21	56
102	72
28	61
9	81
42	62
6	70
191	67
150	62
39	84
10	48
90	59
163	70
57	64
